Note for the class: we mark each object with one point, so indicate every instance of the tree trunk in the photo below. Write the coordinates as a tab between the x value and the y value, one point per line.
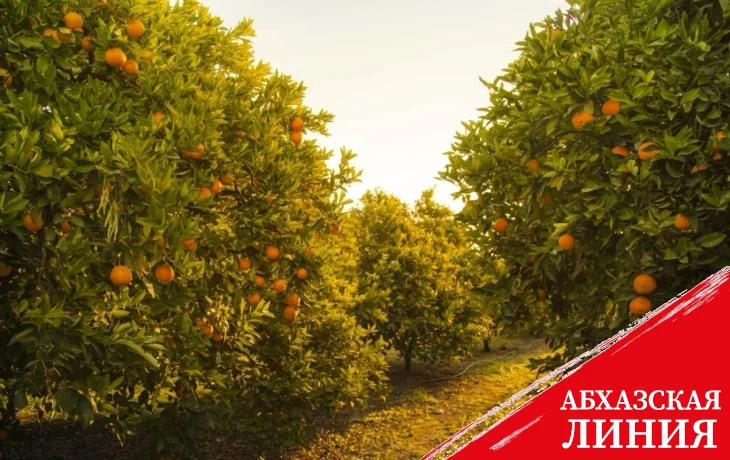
408	362
486	345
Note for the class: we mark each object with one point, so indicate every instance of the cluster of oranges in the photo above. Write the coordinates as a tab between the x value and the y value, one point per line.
643	284
114	57
297	125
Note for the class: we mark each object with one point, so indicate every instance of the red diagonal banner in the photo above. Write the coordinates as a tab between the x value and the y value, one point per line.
655	390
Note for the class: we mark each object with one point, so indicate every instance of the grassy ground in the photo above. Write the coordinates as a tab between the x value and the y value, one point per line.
420	414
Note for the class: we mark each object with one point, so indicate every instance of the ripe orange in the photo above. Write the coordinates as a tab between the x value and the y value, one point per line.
217	337
259	281
130	67
297	124
533	165
718	136
309	252
217	186
204	193
349	405
244	264
620	151
51	33
115	57
533	259
135	28
270	198
5	270
195	154
207	329
639	305
239	134
697	168
290	314
566	242
160	242
541	294
272	252
86	43
296	137
158	117
254	298
190	245
121	276
73	21
717	157
8	80
381	399
581	119
500	225
302	273
201	322
293	300
32	225
227	179
644	284
334	229
611	107
279	286
648	150
164	273
65	227
681	222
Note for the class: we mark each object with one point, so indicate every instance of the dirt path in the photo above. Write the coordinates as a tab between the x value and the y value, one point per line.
420	415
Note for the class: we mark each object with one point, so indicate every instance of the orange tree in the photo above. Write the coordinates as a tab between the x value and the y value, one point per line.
603	153
415	278
163	229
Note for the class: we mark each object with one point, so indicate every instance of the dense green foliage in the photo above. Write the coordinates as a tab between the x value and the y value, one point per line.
415	276
81	149
667	63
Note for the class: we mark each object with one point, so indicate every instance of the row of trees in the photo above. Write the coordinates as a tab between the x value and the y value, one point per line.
597	176
172	253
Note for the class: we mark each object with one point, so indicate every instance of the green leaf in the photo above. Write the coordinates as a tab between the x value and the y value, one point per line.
712	240
20	336
137	349
67	399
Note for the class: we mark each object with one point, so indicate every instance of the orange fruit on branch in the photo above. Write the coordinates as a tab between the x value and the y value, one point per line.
244	264
533	165
297	124
115	57
293	300
500	225
611	107
190	245
217	186
302	273
254	298
566	242
718	137
648	150
296	137
581	119
259	281
135	28
31	225
130	67
121	276
279	286
644	284
207	329
227	179
272	252
639	305
681	222
86	43
164	273
204	192
73	21
620	151
290	314
65	227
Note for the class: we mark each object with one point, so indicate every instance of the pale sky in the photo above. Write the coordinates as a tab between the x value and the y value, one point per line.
399	75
